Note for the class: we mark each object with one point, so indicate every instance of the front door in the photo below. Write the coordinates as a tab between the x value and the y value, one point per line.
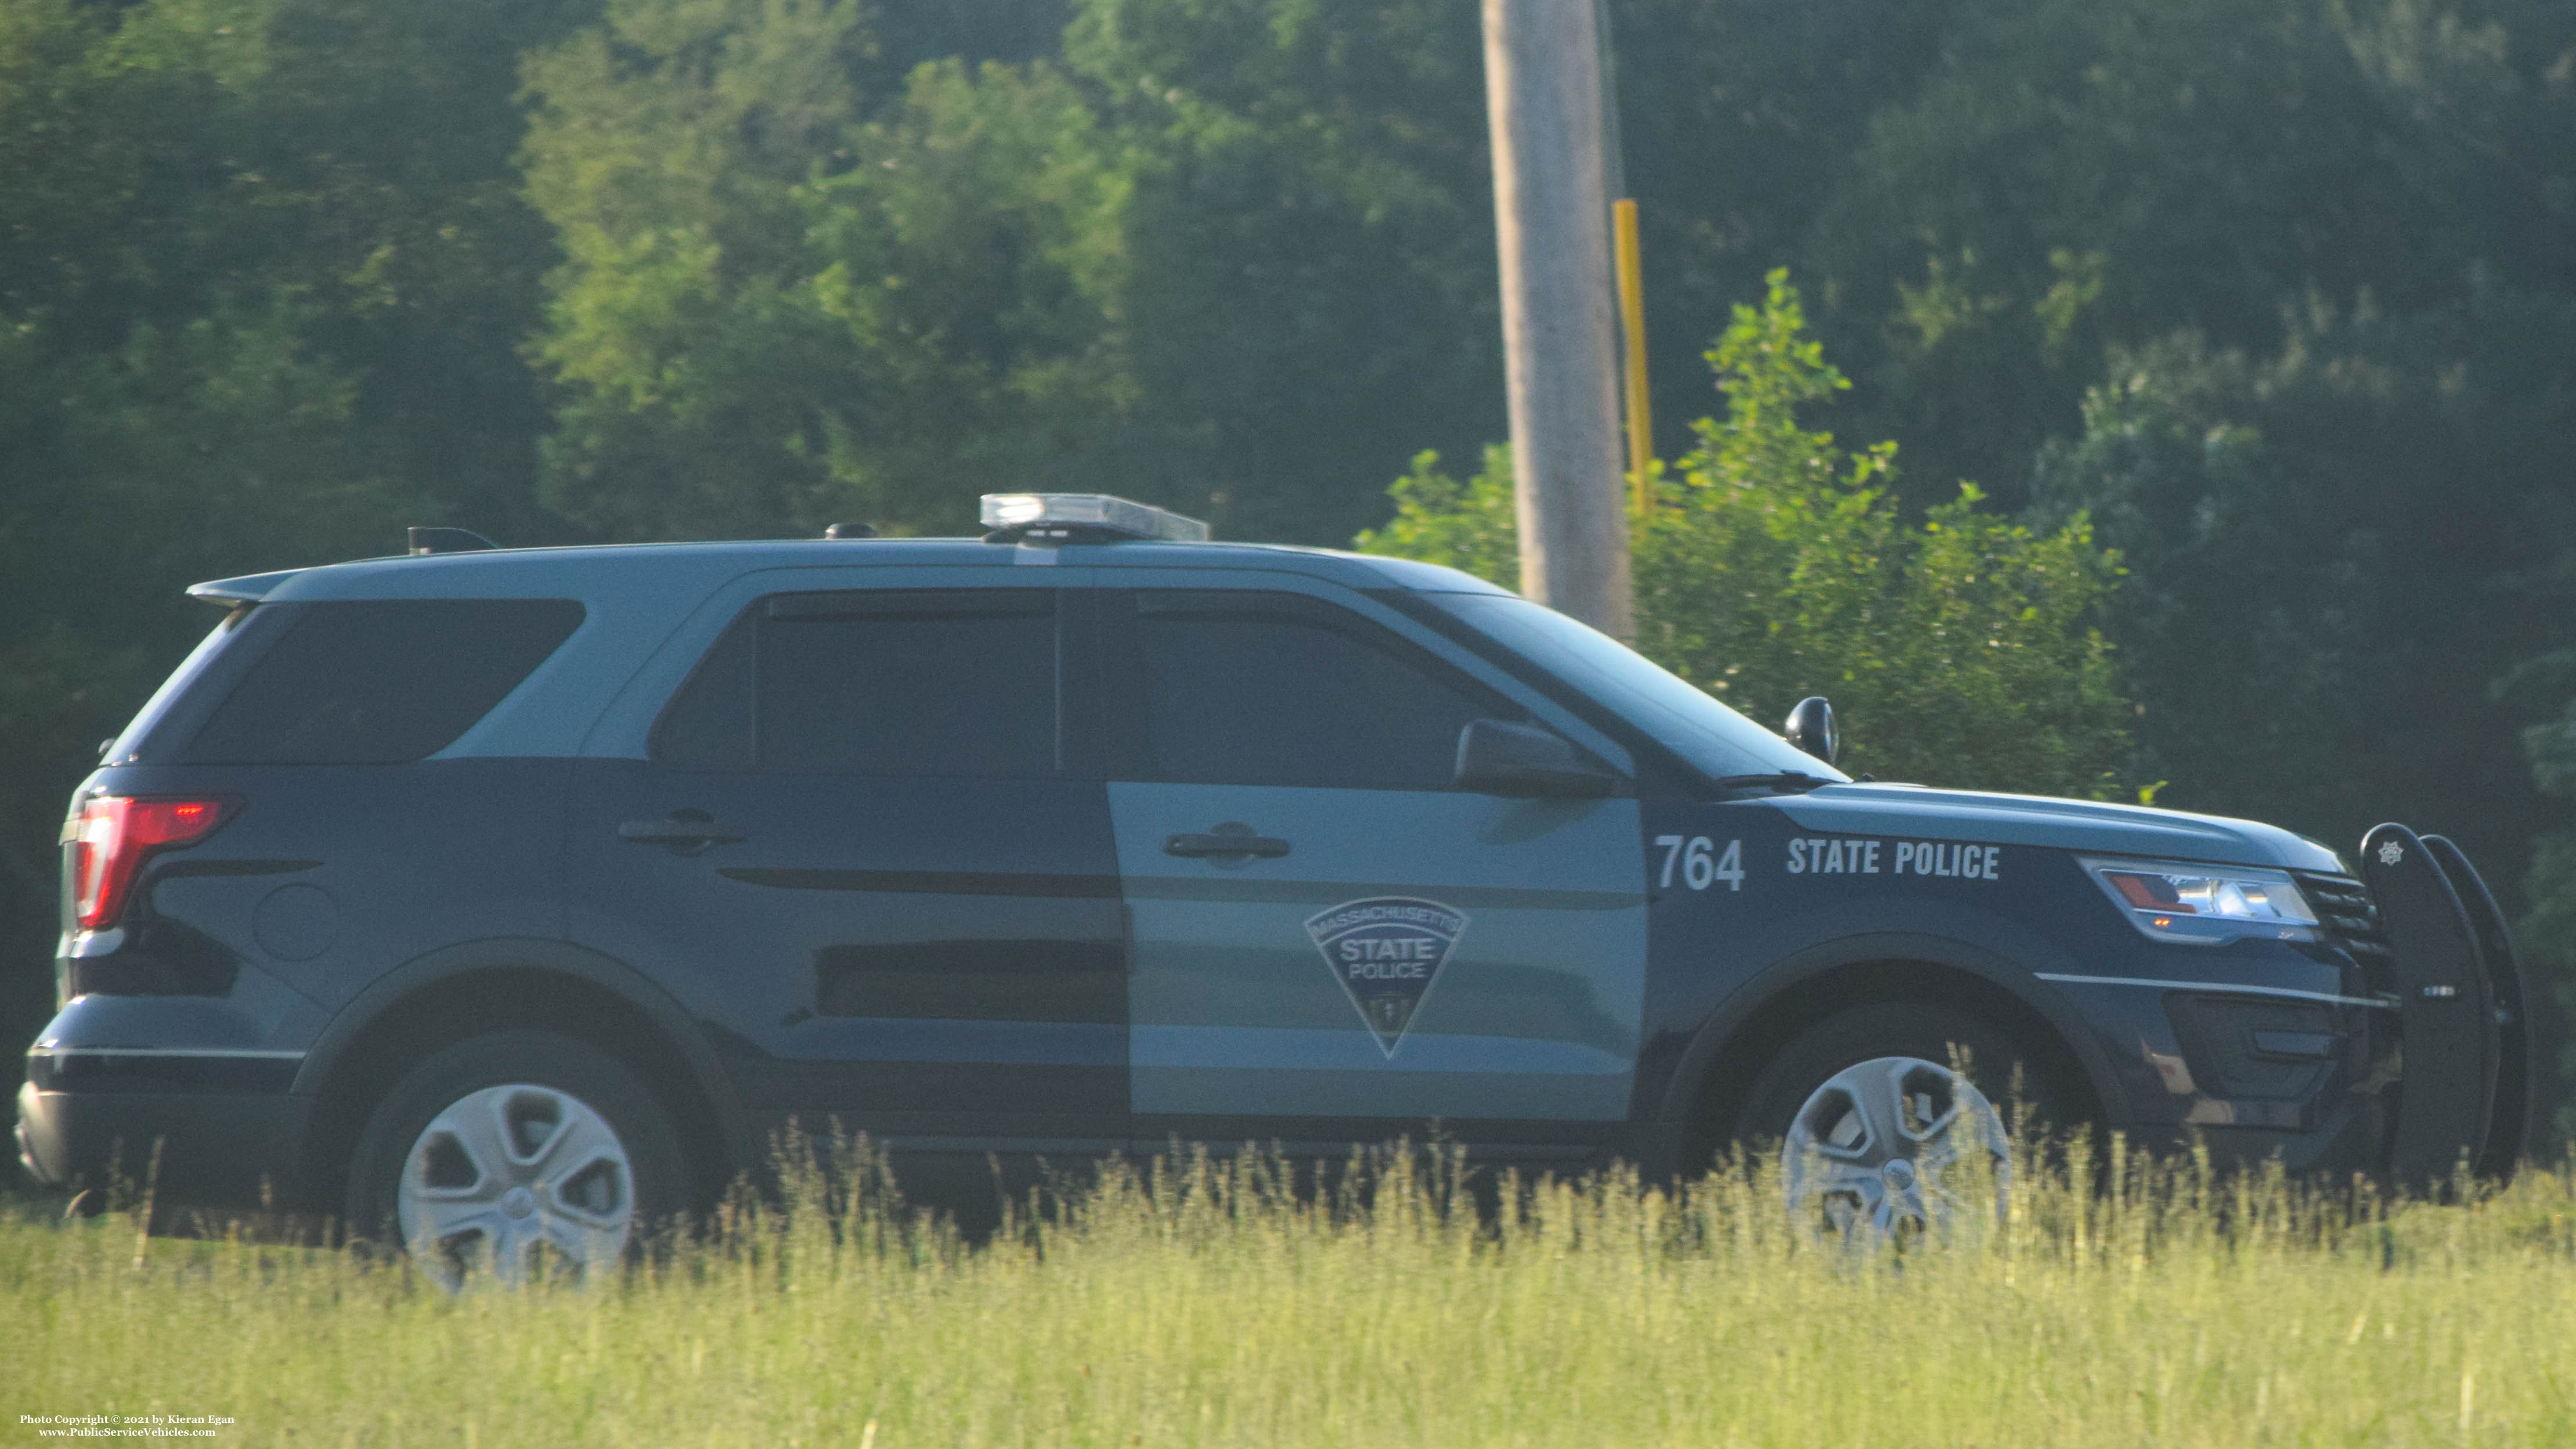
1331	941
862	850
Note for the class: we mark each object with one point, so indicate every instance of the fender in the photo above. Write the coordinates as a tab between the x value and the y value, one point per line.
1673	1118
559	957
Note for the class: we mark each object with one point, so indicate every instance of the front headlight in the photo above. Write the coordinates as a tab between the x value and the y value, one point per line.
2205	905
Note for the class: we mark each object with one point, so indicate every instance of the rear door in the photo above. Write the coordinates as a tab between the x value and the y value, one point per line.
1332	942
864	846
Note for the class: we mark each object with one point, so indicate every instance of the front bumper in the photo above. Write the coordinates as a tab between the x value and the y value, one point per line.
2353	1139
2407	1060
2447	1040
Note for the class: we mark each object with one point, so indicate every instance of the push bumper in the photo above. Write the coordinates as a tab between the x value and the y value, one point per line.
2417	1064
2464	1097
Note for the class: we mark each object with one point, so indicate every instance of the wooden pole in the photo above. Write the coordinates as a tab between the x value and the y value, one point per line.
1632	329
1543	99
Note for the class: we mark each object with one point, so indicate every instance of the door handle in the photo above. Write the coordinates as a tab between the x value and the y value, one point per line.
1233	838
686	832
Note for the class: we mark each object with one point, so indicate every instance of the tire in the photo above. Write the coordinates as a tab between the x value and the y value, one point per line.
502	1143
1875	1127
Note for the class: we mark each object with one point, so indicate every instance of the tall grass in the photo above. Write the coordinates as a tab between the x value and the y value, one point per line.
1200	1302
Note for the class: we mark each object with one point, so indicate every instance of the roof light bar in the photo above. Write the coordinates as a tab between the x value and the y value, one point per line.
1079	515
419	541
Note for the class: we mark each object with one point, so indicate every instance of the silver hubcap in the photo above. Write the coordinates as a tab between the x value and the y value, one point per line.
508	1170
1894	1141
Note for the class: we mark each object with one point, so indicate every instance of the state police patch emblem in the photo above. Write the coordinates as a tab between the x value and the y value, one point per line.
1386	952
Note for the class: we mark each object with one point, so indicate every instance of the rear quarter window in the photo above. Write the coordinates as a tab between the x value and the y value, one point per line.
379	682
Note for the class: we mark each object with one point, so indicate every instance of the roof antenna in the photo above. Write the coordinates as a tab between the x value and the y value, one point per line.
446	540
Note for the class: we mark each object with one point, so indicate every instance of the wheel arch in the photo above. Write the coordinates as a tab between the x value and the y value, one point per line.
465	990
1738	1039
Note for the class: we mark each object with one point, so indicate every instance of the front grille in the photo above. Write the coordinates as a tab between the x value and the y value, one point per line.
2345	911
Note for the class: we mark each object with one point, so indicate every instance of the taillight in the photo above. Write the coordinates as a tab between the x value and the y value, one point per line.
115	834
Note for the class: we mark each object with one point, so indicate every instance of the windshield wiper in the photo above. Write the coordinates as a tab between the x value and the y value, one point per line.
1784	780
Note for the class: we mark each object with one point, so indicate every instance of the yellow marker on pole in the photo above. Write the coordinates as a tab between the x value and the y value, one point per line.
1632	322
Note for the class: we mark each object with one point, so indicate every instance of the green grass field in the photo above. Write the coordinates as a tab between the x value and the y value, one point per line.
1217	1310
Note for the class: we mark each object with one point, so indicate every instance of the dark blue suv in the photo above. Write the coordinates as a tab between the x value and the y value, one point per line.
515	897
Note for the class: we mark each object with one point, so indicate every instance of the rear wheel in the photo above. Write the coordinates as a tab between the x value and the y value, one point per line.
513	1149
1879	1130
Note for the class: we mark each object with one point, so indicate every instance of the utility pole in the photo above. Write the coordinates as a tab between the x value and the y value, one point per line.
1552	228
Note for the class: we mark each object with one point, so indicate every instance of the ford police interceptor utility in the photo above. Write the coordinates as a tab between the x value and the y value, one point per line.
507	897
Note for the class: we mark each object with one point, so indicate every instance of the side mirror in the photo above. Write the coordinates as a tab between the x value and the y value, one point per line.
1496	757
1811	728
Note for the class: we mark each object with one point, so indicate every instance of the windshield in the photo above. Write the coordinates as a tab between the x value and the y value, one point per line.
1678	715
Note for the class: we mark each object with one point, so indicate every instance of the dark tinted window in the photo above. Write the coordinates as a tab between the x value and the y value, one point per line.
893	682
376	682
708	725
1278	689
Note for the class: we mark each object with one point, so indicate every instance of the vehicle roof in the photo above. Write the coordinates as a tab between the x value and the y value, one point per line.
586	570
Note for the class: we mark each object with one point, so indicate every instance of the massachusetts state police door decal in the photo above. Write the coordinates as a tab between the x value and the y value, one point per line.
1386	952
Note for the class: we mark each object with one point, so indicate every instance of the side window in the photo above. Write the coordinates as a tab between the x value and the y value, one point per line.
1255	688
379	682
942	682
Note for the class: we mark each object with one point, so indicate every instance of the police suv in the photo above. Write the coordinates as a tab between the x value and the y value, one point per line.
516	897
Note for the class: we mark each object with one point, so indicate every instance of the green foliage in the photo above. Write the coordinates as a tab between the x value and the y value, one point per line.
2333	550
800	288
1466	524
263	276
2084	171
2330	554
1205	260
2546	937
1774	564
1311	298
1201	1302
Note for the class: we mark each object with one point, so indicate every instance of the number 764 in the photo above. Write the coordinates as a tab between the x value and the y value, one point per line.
1700	862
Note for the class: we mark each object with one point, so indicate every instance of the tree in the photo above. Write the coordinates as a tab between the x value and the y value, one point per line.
2546	937
802	289
1222	255
2332	553
2077	173
2335	551
263	274
1312	289
1774	564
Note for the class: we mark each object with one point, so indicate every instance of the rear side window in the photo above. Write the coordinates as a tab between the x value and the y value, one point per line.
378	682
917	682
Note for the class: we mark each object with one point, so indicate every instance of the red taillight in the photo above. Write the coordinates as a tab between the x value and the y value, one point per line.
115	833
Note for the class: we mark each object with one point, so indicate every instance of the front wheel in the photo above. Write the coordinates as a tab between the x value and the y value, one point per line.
1878	1130
506	1149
